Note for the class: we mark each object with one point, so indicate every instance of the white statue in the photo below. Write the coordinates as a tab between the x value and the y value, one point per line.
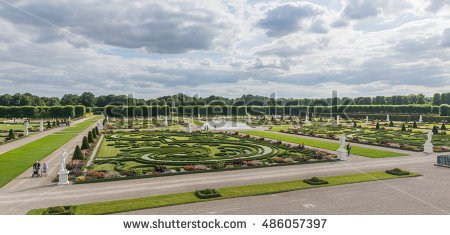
338	119
367	120
41	125
25	132
420	118
342	152
99	125
27	125
69	118
188	128
307	119
63	174
62	162
387	118
165	122
249	121
428	146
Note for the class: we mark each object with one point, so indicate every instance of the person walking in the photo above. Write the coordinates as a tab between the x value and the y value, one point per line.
348	149
44	169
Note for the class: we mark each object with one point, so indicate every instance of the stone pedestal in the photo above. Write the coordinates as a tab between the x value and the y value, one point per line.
428	147
63	177
342	154
25	132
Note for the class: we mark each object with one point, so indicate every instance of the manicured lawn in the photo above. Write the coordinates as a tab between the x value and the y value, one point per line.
82	125
16	161
366	152
231	192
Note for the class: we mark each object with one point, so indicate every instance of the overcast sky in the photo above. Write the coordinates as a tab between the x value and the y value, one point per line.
226	48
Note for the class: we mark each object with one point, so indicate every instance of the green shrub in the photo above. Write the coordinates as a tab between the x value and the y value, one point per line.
378	125
397	171
435	130
90	137
414	124
85	144
59	210
354	124
315	181
207	193
391	124
443	127
77	154
443	110
11	134
403	127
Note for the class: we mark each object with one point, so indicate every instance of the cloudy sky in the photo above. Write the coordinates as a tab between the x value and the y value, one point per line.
226	48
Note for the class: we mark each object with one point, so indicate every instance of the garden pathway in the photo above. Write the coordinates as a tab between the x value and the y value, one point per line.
18	143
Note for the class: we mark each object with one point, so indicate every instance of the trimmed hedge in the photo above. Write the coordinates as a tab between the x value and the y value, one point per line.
397	171
315	181
42	111
207	193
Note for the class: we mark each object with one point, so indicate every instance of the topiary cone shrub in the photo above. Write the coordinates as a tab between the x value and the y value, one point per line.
403	127
443	127
96	129
435	130
414	124
391	124
377	126
90	137
85	144
77	154
315	181
11	134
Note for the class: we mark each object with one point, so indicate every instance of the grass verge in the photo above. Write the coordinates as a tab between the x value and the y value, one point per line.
366	152
18	160
110	207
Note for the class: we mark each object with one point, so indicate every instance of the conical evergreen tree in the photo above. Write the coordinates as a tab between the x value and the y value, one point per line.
11	134
391	124
378	125
354	124
435	130
77	154
414	124
403	127
85	144
96	129
90	137
443	127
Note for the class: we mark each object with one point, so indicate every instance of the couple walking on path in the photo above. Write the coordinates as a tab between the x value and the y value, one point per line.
36	168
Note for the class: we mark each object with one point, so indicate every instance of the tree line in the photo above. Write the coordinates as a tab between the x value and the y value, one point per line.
88	99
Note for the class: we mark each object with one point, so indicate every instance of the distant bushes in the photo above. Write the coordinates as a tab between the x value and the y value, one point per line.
42	111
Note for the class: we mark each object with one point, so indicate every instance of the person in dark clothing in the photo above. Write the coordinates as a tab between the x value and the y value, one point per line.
348	149
37	165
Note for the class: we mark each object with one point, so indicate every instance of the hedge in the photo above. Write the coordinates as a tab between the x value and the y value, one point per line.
42	111
212	110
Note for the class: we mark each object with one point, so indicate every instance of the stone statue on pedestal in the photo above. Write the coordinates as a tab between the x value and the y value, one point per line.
428	146
342	152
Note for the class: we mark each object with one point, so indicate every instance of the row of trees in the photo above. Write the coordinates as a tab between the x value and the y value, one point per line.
88	99
42	111
212	110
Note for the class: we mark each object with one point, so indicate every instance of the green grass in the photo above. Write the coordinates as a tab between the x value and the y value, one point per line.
231	192
366	152
16	161
198	122
279	128
82	125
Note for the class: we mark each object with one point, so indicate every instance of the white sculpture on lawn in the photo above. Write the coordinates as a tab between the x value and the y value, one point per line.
307	119
165	122
342	152
387	118
367	120
41	126
25	131
63	174
428	146
420	118
338	119
249	121
188	128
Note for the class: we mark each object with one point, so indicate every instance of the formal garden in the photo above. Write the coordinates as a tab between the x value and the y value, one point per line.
134	154
402	138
